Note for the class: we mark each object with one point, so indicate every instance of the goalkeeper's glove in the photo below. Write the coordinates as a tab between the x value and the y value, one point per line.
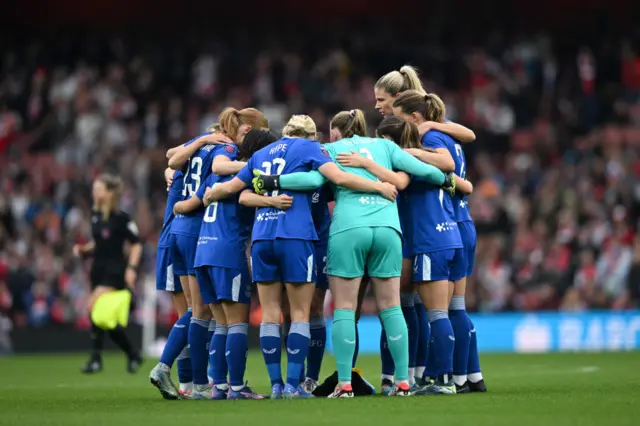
449	184
263	183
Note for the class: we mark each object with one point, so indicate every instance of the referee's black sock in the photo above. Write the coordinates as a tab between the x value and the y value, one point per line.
97	342
120	338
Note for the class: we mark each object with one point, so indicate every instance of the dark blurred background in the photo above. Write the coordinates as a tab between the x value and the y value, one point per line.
551	88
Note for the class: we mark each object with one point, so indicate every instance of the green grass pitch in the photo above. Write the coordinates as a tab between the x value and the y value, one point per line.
557	389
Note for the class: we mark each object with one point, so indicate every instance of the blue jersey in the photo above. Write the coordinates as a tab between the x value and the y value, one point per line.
320	211
288	155
175	195
224	231
427	211
197	171
460	204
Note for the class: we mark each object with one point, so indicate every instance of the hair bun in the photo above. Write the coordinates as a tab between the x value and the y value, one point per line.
352	113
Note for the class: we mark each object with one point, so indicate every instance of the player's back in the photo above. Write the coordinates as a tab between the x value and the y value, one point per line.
429	221
224	231
174	195
355	209
287	155
197	170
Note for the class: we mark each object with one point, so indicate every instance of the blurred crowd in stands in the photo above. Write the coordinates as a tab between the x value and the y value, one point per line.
556	163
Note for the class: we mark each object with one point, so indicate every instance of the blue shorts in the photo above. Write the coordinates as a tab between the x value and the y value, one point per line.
321	265
468	234
166	279
440	265
218	284
287	261
183	254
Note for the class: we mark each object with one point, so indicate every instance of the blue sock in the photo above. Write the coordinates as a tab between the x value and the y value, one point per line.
411	318
185	375
316	347
198	333
356	349
461	330
217	357
473	366
297	350
271	351
424	334
212	329
236	353
388	367
432	367
177	340
442	340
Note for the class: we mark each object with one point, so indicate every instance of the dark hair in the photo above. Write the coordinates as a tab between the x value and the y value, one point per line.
429	105
350	123
254	141
400	131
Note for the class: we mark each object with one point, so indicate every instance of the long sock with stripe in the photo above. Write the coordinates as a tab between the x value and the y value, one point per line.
424	334
217	357
271	351
198	334
397	339
344	341
185	375
474	373
236	354
462	332
443	341
297	350
177	340
411	318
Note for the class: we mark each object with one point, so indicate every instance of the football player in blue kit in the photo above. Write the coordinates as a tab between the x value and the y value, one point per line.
223	273
197	157
283	245
167	280
465	359
433	239
386	90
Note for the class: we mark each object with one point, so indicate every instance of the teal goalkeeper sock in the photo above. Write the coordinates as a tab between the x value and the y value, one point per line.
344	341
397	340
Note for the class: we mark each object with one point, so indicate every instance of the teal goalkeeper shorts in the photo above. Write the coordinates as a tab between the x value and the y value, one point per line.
379	249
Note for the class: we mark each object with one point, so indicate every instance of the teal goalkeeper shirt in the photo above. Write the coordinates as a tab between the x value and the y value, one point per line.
359	209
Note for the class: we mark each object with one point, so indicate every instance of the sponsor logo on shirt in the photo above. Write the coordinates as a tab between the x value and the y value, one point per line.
446	226
263	217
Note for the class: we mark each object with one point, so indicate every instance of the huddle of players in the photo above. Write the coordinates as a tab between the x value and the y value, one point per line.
295	242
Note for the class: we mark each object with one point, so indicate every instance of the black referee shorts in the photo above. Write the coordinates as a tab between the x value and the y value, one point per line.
108	276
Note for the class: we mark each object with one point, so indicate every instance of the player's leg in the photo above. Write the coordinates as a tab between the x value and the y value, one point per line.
362	291
217	349
298	269
233	287
265	273
423	340
318	339
431	273
459	321
407	303
385	267
198	339
474	373
94	364
346	258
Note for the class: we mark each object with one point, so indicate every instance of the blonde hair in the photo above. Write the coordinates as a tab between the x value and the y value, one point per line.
350	123
114	186
300	125
231	119
395	82
429	105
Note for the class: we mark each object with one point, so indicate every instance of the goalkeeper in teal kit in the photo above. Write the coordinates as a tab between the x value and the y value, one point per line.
365	233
